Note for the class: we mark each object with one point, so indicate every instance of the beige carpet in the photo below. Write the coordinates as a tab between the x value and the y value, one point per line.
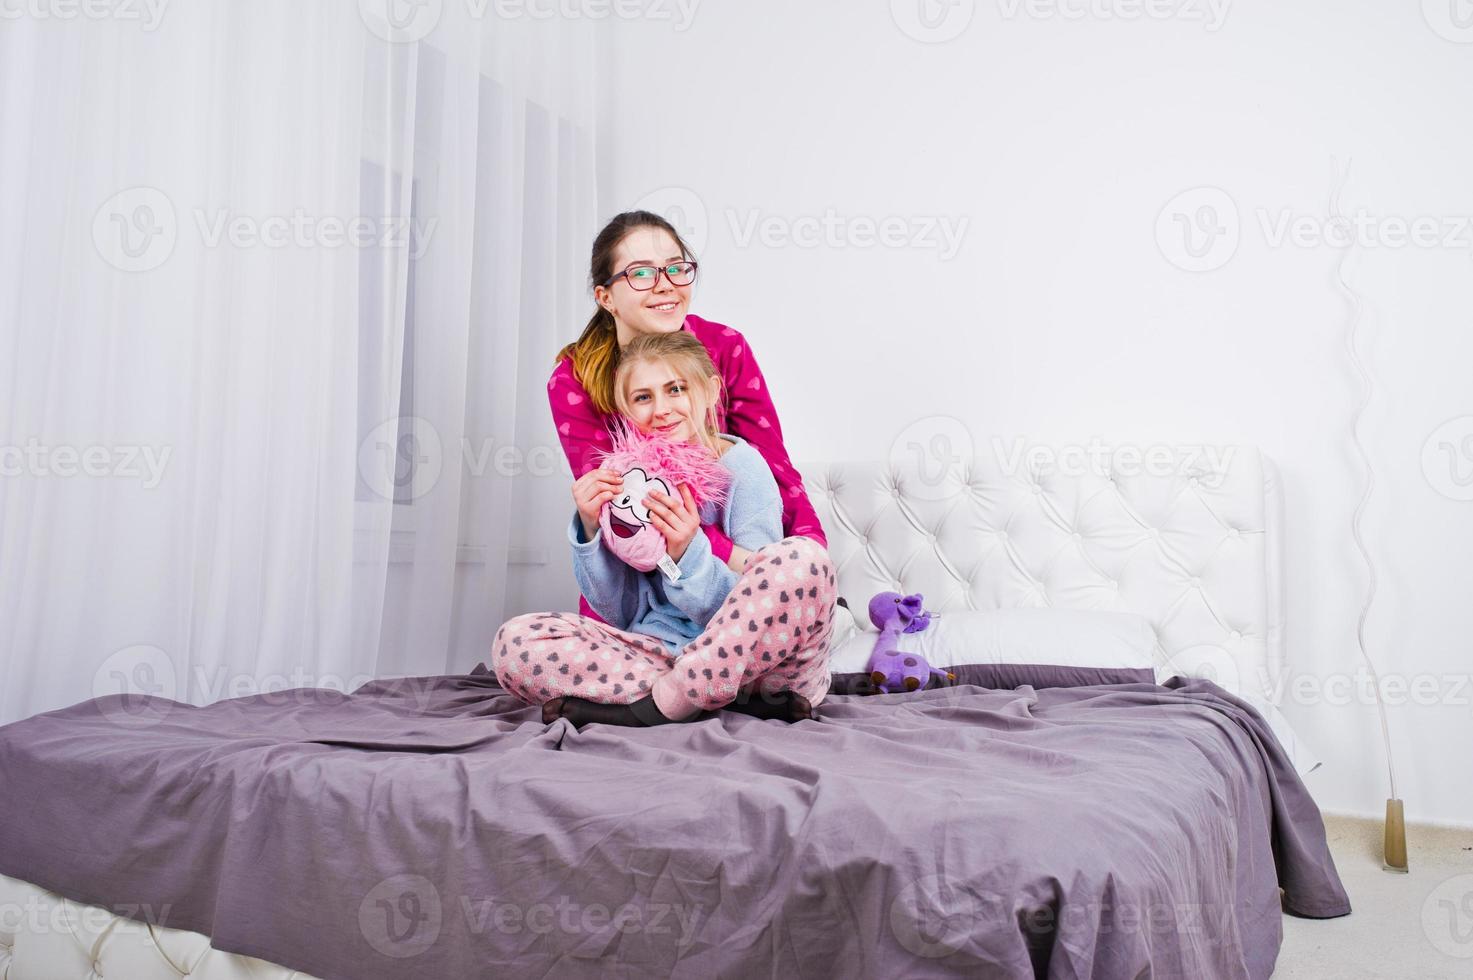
1401	925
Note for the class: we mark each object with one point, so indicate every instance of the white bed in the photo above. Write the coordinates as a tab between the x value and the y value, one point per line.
1196	552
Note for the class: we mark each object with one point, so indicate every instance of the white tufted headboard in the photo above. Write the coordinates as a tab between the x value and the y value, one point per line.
1191	543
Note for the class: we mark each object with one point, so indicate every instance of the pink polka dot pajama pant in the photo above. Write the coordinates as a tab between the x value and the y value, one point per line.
771	634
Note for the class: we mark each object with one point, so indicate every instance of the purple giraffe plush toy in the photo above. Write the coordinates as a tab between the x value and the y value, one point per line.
891	669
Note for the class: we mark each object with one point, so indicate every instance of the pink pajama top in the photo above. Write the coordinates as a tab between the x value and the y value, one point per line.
745	410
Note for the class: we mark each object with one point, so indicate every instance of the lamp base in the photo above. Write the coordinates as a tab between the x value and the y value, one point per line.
1396	838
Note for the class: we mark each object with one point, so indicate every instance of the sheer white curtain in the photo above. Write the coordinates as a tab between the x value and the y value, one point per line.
277	282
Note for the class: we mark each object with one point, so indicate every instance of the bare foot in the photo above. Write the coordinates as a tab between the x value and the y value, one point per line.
782	706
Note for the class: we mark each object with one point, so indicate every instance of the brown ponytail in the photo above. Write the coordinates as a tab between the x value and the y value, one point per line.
595	354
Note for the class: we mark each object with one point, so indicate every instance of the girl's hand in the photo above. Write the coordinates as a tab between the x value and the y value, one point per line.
678	520
740	557
590	492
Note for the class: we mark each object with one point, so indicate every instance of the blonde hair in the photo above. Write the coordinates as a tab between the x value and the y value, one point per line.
688	358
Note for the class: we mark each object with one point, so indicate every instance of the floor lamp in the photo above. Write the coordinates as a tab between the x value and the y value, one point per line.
1395	839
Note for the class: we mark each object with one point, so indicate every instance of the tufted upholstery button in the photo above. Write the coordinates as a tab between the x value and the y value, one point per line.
1234	533
1196	582
1235	635
1114	583
1193	482
1037	488
1077	536
1154	534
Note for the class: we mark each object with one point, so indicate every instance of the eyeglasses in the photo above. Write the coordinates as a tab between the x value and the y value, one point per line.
644	277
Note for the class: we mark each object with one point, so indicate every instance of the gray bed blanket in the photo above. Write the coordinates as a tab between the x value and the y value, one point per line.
434	827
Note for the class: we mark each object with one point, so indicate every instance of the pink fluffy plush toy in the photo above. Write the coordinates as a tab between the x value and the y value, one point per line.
654	462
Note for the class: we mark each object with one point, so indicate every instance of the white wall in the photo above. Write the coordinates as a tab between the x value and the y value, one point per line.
1059	140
